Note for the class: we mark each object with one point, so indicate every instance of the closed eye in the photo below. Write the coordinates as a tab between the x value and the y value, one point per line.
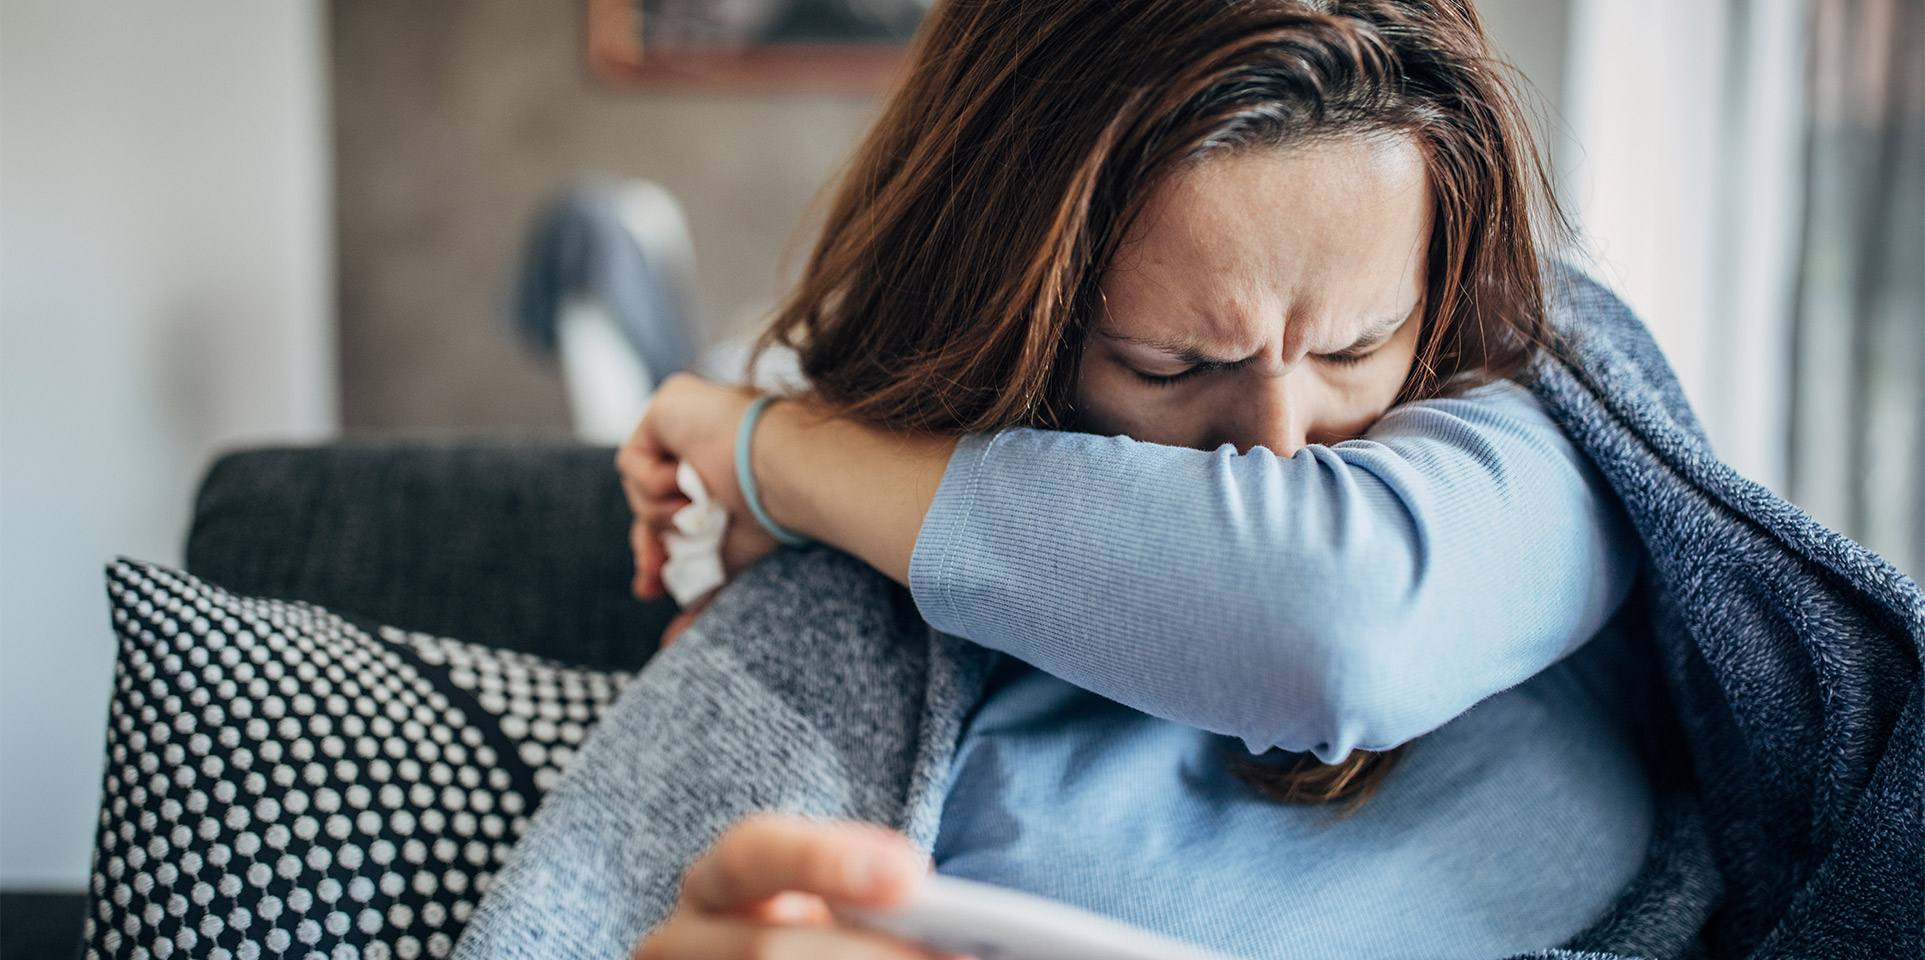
1357	353
1165	381
1346	359
1172	379
1367	345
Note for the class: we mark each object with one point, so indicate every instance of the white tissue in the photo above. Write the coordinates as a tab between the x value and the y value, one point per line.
694	564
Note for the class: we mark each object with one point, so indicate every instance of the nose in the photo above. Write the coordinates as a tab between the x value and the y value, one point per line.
1273	417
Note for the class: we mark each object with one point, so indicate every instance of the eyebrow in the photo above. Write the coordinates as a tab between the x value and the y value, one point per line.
1378	332
1196	354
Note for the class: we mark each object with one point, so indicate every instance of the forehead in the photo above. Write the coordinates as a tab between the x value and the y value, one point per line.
1263	243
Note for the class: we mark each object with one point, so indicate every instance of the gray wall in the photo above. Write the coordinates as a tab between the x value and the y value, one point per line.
455	118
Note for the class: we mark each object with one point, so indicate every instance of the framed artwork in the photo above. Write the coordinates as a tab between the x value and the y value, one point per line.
834	45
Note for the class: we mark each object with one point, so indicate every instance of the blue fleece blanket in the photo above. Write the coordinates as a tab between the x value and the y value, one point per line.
1790	654
1785	702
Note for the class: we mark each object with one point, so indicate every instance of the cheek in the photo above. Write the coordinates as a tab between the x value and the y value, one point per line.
1346	415
1102	397
1401	357
1354	400
1112	401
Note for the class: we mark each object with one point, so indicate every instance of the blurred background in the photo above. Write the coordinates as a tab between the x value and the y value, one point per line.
232	222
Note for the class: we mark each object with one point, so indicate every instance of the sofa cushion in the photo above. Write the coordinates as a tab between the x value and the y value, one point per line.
284	780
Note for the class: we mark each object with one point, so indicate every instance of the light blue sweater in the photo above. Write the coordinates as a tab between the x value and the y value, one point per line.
1354	596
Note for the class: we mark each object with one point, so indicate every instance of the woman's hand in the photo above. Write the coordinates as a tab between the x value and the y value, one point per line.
860	489
694	420
763	891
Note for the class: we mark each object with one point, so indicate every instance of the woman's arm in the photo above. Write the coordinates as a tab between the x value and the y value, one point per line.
861	490
1350	597
1353	596
856	488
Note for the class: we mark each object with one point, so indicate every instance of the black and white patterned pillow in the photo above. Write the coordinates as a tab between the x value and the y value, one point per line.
282	782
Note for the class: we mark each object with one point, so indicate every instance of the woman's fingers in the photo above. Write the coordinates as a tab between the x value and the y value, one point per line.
634	456
649	480
657	478
799	909
690	933
763	893
768	854
659	512
649	558
649	468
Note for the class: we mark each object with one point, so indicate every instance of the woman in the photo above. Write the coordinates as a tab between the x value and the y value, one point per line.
1260	231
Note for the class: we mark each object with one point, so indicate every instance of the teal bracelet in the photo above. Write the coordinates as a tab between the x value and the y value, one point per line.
745	476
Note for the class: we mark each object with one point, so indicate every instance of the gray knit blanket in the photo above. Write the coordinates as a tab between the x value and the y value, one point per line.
1784	688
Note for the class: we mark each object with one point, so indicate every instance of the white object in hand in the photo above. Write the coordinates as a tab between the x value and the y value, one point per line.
949	915
694	547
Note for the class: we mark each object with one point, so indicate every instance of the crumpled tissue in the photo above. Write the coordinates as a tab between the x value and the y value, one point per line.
694	547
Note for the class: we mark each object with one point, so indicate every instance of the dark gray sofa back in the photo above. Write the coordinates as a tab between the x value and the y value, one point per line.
521	544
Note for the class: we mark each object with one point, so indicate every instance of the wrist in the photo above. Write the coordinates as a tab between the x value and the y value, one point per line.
861	489
747	475
772	460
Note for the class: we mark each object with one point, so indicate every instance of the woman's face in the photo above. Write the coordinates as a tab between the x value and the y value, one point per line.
1267	298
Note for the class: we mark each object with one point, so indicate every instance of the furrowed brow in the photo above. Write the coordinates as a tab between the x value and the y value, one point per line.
1185	351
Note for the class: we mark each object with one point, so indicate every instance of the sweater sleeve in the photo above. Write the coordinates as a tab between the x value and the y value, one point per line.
1349	597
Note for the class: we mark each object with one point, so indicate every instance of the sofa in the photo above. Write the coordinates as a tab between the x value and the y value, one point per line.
520	544
330	728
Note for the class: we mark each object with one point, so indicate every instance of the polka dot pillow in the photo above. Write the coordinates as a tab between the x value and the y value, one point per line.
282	782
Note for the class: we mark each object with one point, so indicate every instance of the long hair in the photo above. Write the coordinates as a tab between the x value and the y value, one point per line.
956	274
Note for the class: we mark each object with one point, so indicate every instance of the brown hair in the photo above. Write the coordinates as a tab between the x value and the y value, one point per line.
958	266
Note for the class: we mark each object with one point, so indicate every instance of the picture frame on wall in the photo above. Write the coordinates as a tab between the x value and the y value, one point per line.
820	45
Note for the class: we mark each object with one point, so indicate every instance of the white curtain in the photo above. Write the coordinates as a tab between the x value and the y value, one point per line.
1684	166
